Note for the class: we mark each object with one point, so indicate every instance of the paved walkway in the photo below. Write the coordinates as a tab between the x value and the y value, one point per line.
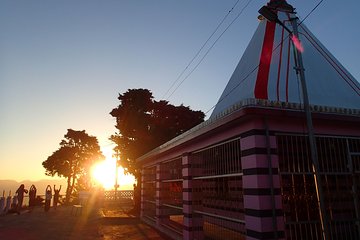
107	223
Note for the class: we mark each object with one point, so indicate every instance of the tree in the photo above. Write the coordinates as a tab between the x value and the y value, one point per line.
144	124
77	153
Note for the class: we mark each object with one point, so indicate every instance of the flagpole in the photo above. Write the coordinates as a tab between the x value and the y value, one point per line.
271	16
313	148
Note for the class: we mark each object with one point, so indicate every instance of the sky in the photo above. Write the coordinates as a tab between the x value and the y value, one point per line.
63	63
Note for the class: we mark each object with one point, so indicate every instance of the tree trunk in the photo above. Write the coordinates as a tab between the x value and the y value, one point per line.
137	196
68	192
73	183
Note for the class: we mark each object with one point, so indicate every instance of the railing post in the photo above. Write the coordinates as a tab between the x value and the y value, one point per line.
158	196
193	222
142	203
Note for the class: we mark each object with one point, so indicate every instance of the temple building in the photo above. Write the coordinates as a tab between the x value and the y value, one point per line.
248	172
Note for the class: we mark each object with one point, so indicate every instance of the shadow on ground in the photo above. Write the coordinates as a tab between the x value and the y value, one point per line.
108	222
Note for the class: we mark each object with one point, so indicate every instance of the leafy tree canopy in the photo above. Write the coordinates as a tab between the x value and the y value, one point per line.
77	153
144	124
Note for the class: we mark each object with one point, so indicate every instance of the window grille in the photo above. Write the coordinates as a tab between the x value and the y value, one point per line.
218	192
220	159
149	192
339	164
171	195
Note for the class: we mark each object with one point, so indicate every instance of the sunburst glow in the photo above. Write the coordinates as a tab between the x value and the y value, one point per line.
104	174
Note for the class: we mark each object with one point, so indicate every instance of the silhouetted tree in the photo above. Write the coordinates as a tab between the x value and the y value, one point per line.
77	154
144	124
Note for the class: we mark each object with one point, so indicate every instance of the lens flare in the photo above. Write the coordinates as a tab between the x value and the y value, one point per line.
297	43
104	173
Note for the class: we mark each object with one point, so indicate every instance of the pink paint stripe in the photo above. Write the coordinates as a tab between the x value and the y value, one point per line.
262	202
257	141
260	181
259	161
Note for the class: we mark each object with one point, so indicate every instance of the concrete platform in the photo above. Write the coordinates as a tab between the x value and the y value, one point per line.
108	222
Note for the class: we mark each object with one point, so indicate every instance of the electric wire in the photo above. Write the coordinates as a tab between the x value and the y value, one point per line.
201	48
310	12
210	48
327	58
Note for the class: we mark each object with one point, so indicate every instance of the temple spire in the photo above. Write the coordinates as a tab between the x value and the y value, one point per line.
280	5
267	69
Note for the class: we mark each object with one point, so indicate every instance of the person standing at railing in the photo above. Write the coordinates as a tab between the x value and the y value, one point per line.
56	196
20	196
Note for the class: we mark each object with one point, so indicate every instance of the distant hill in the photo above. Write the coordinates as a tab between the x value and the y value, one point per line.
11	185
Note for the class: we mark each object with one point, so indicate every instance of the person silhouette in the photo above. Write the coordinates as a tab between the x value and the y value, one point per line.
20	197
32	196
2	203
56	196
48	196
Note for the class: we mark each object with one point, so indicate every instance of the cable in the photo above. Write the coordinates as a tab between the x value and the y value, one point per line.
331	61
198	52
310	12
207	52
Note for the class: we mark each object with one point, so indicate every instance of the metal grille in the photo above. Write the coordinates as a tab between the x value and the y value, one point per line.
172	170
218	193
223	196
149	192
171	195
171	182
149	210
174	218
218	227
354	149
338	159
120	195
149	174
220	159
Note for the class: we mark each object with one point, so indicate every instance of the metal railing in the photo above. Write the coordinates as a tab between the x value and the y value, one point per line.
112	195
149	193
171	184
339	162
149	210
218	192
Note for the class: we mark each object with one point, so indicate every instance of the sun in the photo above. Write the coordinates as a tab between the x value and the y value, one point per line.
104	174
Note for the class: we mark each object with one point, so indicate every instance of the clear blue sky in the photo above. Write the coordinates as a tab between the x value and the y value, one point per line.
63	63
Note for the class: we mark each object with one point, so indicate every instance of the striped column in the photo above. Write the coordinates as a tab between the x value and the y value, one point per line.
193	222
142	204
260	222
161	217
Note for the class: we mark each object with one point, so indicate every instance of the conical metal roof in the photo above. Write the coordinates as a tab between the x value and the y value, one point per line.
267	70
